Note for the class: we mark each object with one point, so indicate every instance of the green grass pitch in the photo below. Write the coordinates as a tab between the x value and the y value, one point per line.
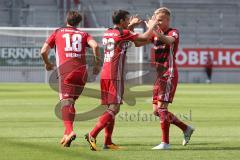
29	129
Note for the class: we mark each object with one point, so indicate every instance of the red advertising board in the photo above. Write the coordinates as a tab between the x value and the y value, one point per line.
197	57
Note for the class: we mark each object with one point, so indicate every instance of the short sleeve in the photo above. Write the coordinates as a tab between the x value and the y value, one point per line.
51	40
174	33
89	37
129	35
152	38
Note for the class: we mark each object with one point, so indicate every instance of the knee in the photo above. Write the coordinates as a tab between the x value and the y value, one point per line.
67	102
114	109
162	111
162	105
155	109
116	112
155	112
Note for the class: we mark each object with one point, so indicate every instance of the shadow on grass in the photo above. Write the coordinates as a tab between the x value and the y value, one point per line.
225	148
45	150
37	137
12	90
203	143
194	147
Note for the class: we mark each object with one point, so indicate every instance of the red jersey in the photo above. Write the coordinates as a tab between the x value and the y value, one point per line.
115	42
70	44
209	62
164	55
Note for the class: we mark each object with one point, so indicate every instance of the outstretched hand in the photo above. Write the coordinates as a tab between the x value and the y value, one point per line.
134	21
152	23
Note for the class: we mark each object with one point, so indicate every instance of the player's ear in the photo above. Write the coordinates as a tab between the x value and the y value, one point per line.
168	18
153	17
121	21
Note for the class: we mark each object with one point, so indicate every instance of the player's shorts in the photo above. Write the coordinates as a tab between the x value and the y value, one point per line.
164	89
111	91
71	84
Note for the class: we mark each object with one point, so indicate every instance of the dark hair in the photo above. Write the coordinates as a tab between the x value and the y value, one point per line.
118	15
73	18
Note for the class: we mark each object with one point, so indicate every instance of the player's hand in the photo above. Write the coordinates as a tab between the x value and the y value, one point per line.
49	66
96	69
152	23
134	20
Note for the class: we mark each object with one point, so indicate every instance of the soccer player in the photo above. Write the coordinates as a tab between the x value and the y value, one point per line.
115	41
165	44
70	46
208	68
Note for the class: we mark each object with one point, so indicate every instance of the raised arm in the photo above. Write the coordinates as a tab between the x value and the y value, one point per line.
142	43
146	35
142	39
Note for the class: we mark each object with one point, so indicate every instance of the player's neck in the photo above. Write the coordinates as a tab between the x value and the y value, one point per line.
165	29
118	26
69	25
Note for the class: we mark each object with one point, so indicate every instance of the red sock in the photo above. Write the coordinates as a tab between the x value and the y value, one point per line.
102	122
174	120
108	132
165	125
68	115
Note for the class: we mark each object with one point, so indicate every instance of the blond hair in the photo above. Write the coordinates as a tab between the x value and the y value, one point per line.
164	10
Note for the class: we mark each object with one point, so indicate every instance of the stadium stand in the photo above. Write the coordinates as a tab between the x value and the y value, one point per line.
201	22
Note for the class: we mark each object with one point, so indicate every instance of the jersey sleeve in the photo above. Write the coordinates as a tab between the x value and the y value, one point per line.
152	38
88	37
174	33
51	40
129	35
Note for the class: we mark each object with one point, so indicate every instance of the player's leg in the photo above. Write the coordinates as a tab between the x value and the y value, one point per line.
111	96
108	130
104	84
108	144
161	110
163	94
169	95
186	129
209	74
105	119
117	98
167	118
68	115
158	110
71	88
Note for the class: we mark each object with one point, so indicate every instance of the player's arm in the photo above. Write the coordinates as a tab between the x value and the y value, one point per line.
96	52
133	22
144	38
165	39
142	43
44	53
